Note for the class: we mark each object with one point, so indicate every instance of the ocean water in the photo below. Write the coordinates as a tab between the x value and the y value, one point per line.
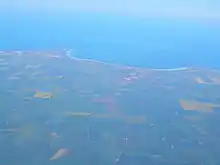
150	42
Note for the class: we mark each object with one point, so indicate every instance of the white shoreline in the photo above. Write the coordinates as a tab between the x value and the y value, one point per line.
172	69
70	55
155	69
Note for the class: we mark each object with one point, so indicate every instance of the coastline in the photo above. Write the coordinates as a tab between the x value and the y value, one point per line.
68	54
72	57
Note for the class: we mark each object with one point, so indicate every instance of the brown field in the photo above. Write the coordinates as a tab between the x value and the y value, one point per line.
200	80
43	95
127	119
191	105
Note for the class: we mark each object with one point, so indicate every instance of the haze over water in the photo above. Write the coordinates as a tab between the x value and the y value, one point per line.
171	41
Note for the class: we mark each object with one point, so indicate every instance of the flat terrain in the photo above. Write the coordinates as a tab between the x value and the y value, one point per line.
58	110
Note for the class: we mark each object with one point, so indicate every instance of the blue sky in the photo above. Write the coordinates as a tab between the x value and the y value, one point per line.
199	9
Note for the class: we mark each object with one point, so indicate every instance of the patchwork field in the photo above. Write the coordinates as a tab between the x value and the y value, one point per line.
58	110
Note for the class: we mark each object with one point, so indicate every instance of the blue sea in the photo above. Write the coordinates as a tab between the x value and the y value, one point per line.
145	42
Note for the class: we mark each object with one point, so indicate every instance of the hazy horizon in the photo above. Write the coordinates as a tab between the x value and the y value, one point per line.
190	9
